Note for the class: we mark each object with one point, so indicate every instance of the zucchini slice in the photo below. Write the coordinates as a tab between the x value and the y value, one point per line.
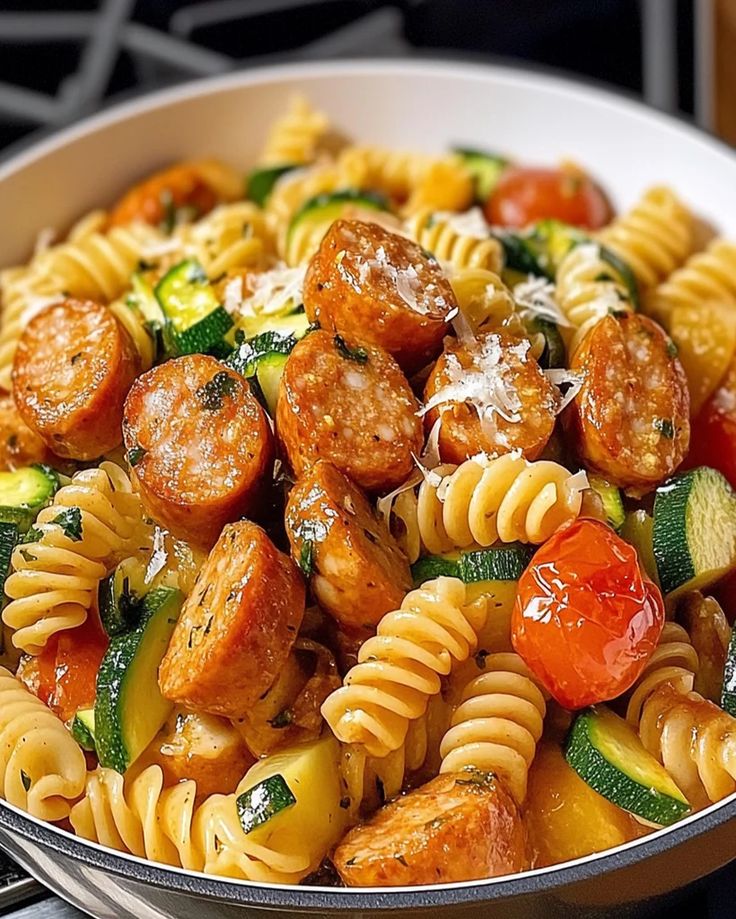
637	531
728	693
263	359
195	322
606	753
554	354
261	181
83	729
497	563
129	708
9	539
24	492
314	218
121	597
263	801
694	531
485	168
610	496
539	250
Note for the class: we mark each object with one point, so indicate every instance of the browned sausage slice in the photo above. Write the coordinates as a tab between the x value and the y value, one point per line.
350	405
19	445
372	285
200	446
358	571
630	419
237	626
458	827
492	397
72	371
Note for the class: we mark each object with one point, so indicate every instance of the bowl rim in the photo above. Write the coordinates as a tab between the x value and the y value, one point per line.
328	899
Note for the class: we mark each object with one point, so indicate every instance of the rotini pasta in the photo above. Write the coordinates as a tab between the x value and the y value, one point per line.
654	237
400	668
92	524
42	769
229	237
675	661
498	723
295	138
483	299
135	326
458	248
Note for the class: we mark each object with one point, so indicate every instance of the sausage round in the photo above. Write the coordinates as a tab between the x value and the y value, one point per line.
495	375
630	420
357	570
196	186
199	444
72	371
237	626
19	445
350	405
458	827
369	284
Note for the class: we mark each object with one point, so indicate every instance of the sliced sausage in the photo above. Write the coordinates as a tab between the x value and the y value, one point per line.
458	827
19	445
630	420
369	284
200	446
351	405
237	626
193	188
358	571
492	397
72	371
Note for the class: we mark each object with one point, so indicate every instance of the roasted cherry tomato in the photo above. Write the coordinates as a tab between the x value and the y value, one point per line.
64	675
524	196
713	431
586	618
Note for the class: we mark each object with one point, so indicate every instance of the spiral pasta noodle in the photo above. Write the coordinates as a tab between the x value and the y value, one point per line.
694	740
135	326
587	290
54	578
507	498
654	237
674	661
498	723
42	769
484	300
231	236
708	276
436	233
295	138
400	668
23	293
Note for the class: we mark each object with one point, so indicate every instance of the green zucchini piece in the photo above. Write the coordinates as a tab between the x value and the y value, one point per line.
261	181
694	531
9	539
497	563
606	753
24	492
554	353
262	802
263	358
485	168
195	322
637	531
316	216
539	250
294	323
728	693
610	495
129	708
83	729
623	274
121	597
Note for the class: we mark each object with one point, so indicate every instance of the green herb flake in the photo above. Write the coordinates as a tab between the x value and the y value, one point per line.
136	454
402	860
212	394
284	718
33	535
345	803
70	521
262	802
351	861
480	659
359	355
672	349
25	780
306	558
665	427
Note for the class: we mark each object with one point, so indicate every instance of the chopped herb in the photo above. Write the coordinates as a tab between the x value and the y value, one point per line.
284	718
351	861
70	520
306	558
672	348
27	556
480	659
359	355
345	803
665	427
136	454
26	780
33	535
402	860
168	221
212	394
239	337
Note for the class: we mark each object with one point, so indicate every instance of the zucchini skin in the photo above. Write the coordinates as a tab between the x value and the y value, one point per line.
669	533
260	182
609	781
497	563
266	799
9	538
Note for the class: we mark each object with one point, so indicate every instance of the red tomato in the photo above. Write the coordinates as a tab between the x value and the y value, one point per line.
713	432
586	619
524	196
64	675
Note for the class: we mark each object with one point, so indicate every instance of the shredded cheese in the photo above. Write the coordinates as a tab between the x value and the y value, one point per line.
276	291
468	223
536	297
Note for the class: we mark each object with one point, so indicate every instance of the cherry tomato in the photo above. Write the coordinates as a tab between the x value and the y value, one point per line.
64	675
524	196
713	431
586	618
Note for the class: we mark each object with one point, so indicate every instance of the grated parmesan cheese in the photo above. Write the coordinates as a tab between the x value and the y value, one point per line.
468	223
536	297
274	291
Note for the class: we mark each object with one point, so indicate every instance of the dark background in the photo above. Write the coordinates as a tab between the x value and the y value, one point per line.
62	60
